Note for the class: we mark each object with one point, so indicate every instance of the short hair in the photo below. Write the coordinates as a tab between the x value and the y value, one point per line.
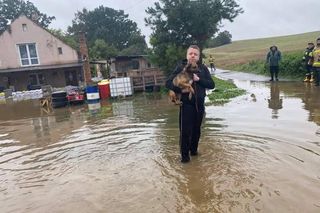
310	43
193	46
318	39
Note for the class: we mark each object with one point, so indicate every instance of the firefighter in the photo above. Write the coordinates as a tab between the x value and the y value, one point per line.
211	63
308	65
315	61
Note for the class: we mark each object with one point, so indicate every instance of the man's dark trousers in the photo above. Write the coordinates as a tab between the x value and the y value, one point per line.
190	119
274	70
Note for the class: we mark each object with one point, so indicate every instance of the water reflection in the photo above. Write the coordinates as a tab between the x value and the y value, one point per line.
275	102
311	99
307	93
41	126
123	108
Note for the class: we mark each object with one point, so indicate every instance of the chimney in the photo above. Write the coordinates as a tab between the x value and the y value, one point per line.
84	57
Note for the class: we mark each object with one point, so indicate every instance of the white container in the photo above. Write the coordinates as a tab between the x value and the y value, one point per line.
93	96
121	87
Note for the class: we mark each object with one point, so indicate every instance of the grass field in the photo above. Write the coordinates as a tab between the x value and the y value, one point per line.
241	52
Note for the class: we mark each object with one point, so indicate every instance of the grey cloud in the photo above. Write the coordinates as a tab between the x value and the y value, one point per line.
262	18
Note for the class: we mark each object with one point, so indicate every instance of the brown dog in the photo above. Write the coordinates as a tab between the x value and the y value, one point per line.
184	81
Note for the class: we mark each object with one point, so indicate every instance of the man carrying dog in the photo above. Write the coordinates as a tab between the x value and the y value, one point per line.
191	110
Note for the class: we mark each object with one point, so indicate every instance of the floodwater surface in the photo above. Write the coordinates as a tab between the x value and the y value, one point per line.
258	153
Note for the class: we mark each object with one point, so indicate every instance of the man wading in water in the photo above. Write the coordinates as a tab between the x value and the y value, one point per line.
192	109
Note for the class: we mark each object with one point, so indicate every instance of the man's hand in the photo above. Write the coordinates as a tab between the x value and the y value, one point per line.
195	77
186	90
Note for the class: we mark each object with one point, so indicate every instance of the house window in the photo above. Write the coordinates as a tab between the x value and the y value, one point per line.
36	79
60	50
24	27
28	54
135	64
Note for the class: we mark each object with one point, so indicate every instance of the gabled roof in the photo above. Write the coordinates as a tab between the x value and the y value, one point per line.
22	15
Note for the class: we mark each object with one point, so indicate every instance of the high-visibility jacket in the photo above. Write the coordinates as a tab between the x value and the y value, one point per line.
315	57
211	60
306	56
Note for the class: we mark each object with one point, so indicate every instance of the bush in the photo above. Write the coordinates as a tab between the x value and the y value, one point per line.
291	66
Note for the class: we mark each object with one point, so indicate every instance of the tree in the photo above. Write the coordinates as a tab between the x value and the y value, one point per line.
101	50
221	39
183	22
112	26
12	9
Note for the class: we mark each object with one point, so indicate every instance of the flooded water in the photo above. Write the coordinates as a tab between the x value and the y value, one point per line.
258	153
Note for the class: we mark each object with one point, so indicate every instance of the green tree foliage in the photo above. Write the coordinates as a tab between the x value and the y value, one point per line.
180	23
66	38
111	26
12	9
221	39
102	50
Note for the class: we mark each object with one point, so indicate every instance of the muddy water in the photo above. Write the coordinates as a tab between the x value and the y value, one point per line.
258	153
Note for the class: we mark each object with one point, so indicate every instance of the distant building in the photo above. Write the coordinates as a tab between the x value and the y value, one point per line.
122	65
30	57
143	74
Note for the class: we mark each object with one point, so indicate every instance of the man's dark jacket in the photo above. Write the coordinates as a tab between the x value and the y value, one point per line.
200	86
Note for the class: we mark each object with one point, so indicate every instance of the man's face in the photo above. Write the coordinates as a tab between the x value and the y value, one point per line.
310	46
193	55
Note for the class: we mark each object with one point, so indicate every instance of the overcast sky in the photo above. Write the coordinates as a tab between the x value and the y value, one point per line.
261	18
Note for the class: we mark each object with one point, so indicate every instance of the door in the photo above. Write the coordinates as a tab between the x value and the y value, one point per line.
71	78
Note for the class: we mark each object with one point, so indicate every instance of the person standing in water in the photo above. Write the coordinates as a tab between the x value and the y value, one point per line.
192	110
273	59
315	61
308	65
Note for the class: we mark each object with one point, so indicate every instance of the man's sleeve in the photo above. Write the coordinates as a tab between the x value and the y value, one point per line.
268	56
311	58
169	83
206	81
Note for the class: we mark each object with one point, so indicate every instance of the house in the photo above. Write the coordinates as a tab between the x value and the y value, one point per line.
30	57
143	74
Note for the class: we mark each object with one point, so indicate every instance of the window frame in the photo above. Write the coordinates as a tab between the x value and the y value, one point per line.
39	77
29	58
60	51
24	27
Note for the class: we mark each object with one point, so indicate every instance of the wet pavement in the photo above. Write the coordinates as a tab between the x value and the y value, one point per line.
258	153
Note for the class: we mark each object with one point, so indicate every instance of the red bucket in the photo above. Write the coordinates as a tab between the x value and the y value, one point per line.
104	89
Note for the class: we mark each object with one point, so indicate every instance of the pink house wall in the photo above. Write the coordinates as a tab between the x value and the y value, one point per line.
46	45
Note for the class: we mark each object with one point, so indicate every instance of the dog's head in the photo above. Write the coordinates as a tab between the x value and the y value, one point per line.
191	68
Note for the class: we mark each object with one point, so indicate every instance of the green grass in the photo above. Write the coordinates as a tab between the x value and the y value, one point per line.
242	52
291	66
224	91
